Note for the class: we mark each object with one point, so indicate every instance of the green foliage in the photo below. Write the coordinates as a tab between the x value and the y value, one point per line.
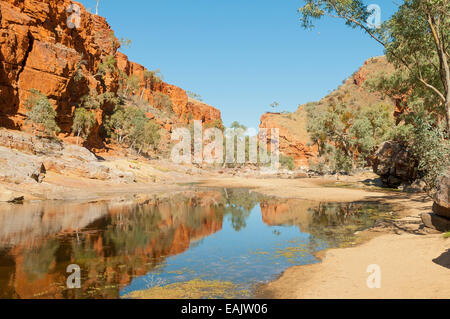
162	102
194	96
275	105
347	136
41	113
78	76
83	121
107	66
447	235
415	39
126	43
342	162
132	85
426	141
93	100
215	124
130	125
287	162
153	76
236	125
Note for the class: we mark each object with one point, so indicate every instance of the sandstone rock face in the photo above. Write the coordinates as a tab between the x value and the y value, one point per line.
8	196
185	109
39	51
441	205
294	138
394	164
24	159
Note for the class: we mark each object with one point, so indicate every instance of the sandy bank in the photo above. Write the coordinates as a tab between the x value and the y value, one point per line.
414	263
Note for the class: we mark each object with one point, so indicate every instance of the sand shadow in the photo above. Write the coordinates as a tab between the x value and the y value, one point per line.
443	260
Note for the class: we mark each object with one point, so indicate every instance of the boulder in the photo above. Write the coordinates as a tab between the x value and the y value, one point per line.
418	186
393	163
441	205
39	173
436	222
9	196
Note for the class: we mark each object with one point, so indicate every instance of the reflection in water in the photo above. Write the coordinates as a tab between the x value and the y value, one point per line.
230	236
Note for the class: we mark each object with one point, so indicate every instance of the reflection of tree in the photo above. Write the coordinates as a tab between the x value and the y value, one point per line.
337	223
240	203
134	231
37	260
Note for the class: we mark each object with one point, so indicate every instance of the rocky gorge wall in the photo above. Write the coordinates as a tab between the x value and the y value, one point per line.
294	138
39	51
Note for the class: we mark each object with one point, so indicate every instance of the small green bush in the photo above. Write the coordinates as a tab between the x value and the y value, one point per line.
82	122
41	114
287	162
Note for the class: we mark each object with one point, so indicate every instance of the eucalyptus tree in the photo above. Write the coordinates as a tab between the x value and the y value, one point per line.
416	40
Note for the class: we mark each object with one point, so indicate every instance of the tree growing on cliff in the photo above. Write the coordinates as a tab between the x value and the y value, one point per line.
83	122
415	41
130	125
194	96
108	65
41	114
274	105
145	134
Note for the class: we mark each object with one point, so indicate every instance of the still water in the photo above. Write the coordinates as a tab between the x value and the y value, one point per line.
205	243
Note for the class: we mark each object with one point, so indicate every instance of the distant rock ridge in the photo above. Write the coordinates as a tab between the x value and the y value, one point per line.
294	138
39	51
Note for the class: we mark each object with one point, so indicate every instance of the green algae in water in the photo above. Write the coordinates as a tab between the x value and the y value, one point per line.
336	224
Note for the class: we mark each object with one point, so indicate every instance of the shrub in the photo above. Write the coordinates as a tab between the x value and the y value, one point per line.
347	136
108	65
426	140
194	96
162	102
41	114
130	125
287	162
82	122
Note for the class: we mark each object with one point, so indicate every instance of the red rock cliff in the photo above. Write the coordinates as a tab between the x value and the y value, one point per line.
38	50
294	138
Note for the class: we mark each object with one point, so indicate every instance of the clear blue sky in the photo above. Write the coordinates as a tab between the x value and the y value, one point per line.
241	55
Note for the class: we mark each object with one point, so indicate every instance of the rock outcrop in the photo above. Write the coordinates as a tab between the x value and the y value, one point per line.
294	139
26	160
38	50
440	218
442	198
185	109
393	163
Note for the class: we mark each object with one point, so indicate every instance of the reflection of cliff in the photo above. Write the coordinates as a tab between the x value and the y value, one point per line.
289	212
114	246
20	224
